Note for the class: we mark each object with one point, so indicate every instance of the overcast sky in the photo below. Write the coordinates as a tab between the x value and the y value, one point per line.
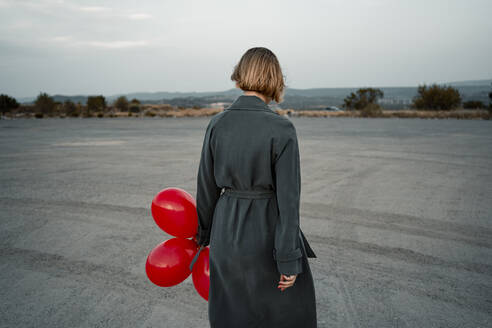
110	47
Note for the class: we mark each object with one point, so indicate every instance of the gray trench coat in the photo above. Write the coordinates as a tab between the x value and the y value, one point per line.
248	196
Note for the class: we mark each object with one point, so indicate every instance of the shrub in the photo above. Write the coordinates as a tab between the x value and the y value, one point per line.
96	103
371	110
44	104
437	97
166	107
134	108
490	100
7	103
362	98
473	104
150	113
70	108
121	103
39	115
100	115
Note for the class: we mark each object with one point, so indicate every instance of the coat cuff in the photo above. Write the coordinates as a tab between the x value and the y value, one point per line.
203	236
288	263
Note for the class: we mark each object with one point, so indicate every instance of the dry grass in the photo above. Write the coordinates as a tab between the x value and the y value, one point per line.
457	114
428	114
190	112
170	111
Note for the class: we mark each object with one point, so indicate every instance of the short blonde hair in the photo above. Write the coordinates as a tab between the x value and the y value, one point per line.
259	70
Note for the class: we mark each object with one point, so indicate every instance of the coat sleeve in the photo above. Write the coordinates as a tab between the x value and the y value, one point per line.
207	190
287	248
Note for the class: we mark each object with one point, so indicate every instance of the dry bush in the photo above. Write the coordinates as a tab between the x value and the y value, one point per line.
372	110
166	107
436	97
158	107
121	103
362	98
190	112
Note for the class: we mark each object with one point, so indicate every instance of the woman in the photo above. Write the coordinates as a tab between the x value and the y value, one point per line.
248	195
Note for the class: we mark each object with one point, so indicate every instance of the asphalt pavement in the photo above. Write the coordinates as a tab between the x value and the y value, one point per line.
398	211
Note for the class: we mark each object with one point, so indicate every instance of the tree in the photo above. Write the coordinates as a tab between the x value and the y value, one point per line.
121	103
473	104
7	103
362	98
437	97
134	106
44	104
96	103
70	108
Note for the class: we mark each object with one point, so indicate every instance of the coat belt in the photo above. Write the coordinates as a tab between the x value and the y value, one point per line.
259	193
243	193
304	244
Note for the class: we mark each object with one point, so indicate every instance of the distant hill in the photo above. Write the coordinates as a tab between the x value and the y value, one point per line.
471	83
149	97
156	96
394	97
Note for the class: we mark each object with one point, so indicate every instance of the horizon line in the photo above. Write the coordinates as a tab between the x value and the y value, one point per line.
225	90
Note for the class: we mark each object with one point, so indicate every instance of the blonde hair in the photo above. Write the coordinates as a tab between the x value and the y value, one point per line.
259	70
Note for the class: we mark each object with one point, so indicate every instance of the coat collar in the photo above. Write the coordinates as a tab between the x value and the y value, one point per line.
249	103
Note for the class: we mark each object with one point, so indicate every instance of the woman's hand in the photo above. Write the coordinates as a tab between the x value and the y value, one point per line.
286	281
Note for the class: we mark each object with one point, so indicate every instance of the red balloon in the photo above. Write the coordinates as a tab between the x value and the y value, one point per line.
201	273
168	263
174	211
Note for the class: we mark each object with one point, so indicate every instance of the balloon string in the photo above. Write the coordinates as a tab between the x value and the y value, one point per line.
196	257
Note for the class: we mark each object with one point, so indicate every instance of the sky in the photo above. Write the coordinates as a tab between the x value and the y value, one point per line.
114	47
